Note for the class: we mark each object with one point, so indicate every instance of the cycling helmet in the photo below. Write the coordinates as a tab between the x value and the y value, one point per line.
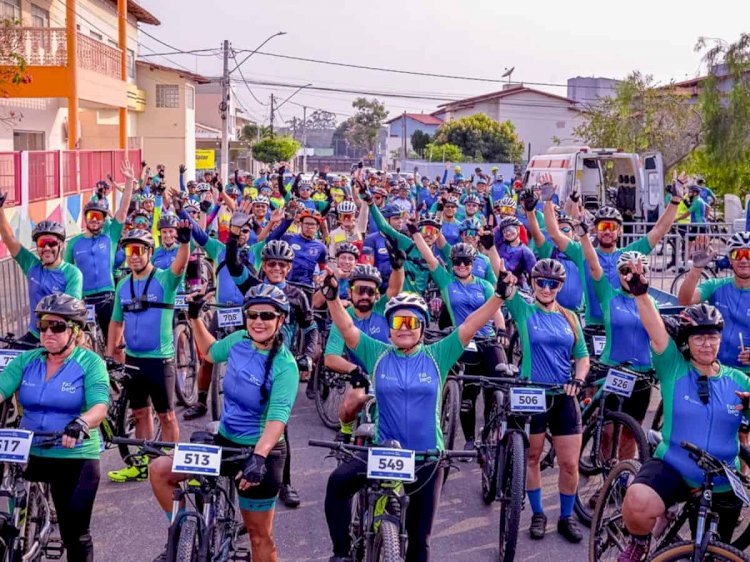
48	227
738	241
266	294
62	305
192	207
232	190
429	219
473	198
347	248
607	213
548	269
380	191
138	236
406	301
626	257
469	224
148	197
506	202
462	250
365	272
277	250
167	220
563	217
309	214
452	200
346	208
202	187
697	319
389	211
305	182
261	200
95	205
508	221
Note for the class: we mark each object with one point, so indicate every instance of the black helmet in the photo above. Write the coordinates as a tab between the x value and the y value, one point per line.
607	213
563	217
548	269
167	220
429	219
95	205
700	319
462	250
62	305
48	227
277	250
267	294
347	248
138	236
365	272
505	222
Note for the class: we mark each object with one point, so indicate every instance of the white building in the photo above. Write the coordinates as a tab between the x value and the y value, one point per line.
587	89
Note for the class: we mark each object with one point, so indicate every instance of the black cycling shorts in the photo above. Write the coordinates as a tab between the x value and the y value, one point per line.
563	417
263	496
153	382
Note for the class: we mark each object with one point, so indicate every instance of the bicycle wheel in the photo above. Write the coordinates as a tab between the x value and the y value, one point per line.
609	537
188	541
511	495
186	365
125	427
680	279
741	537
449	411
594	466
387	544
217	390
38	525
716	552
329	395
515	350
489	451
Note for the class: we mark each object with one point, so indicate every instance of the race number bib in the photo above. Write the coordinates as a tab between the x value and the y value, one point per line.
179	302
527	400
737	486
471	346
191	458
390	464
599	343
7	355
90	313
230	317
619	383
15	445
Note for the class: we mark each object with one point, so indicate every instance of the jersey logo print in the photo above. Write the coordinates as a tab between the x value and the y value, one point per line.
68	387
424	378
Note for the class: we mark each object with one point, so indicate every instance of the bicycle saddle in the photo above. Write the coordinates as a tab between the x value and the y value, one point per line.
202	437
506	370
390	444
366	430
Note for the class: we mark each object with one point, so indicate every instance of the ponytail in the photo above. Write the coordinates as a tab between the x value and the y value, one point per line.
278	342
571	319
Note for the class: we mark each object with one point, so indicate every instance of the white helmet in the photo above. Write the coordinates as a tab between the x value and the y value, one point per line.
626	257
346	208
739	240
410	301
261	200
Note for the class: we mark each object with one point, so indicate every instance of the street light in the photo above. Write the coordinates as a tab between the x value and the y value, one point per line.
277	34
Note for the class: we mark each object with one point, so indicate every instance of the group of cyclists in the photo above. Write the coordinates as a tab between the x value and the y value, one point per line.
352	273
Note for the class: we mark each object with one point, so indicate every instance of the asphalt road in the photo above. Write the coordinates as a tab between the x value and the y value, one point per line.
129	526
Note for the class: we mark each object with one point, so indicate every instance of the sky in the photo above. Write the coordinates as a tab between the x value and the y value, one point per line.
546	41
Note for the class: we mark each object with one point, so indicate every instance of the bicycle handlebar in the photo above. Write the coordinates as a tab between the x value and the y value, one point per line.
506	381
339	446
156	448
708	462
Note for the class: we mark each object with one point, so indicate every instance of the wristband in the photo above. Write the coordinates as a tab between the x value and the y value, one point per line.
675	202
347	427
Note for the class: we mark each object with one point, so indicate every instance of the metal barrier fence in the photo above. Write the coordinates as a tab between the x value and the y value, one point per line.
14	299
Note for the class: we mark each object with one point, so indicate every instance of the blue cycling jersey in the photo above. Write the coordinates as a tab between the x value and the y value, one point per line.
571	294
163	257
381	260
226	288
734	305
518	259
451	233
95	257
463	298
308	254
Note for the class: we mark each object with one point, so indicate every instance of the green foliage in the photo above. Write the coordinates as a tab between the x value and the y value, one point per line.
13	69
481	137
251	132
446	152
365	125
419	140
339	139
275	149
720	178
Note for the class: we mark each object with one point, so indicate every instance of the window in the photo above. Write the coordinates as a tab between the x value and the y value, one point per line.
10	9
189	97
39	16
28	140
131	64
95	35
167	95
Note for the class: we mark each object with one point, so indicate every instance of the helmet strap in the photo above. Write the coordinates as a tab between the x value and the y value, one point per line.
65	348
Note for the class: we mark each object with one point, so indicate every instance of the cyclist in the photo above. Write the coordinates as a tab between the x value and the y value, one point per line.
507	207
47	273
472	205
407	379
450	224
352	228
260	386
309	252
469	232
143	314
550	337
63	388
377	243
703	400
519	259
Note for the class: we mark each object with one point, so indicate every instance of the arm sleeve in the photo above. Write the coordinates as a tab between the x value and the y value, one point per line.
669	363
199	235
707	288
74	281
219	350
641	245
579	349
445	178
13	373
232	257
441	277
182	182
284	389
603	290
279	231
117	307
388	231
489	274
335	344
362	220
369	350
212	214
26	260
95	382
68	255
446	352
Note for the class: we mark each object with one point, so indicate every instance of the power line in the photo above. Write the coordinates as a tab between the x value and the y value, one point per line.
234	57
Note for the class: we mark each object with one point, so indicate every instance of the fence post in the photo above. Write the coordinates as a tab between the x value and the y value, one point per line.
24	202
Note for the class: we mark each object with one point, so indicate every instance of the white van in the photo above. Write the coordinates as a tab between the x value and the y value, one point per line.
604	175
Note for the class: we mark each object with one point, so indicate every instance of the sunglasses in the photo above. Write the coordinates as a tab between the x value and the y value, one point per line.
607	226
305	188
462	261
44	242
544	283
140	220
135	250
566	229
429	231
245	230
364	291
377	196
55	326
507	210
265	315
271	264
740	253
94	215
470	232
411	322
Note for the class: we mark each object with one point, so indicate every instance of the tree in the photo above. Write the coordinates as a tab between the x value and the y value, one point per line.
642	117
320	120
366	123
443	153
250	133
482	138
419	140
13	69
275	149
339	138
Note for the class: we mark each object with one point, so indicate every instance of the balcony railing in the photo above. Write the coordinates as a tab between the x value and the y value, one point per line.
47	46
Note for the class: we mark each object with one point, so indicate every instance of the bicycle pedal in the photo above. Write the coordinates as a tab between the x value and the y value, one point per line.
241	554
54	549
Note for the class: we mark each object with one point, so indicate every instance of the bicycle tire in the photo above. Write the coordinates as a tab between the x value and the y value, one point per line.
449	413
680	279
217	390
328	397
125	427
186	365
597	473
37	515
489	450
741	540
512	495
387	543
606	521
515	349
684	550
188	541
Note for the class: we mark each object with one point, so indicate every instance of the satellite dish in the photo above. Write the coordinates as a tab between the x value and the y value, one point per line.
508	72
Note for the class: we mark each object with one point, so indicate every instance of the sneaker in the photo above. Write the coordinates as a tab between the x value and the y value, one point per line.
135	473
569	529
197	410
289	496
538	526
310	392
163	556
636	550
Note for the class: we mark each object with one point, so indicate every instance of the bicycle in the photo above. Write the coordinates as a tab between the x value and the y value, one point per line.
609	537
329	386
720	266
186	355
502	451
92	331
229	319
378	524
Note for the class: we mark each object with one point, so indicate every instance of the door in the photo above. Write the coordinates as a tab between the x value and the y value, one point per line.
652	200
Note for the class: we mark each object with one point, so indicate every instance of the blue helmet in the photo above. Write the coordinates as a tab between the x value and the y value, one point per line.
390	210
267	294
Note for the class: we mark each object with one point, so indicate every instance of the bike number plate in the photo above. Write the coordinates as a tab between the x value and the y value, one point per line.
737	486
15	445
471	346
619	383
230	317
599	343
527	400
179	302
390	464
192	458
7	355
90	313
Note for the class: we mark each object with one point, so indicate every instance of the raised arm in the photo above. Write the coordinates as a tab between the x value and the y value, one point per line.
592	259
6	232
665	222
424	249
183	252
553	229
479	318
701	255
535	229
652	322
338	313
126	169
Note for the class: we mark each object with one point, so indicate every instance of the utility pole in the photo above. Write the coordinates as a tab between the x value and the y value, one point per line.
271	114
304	139
403	136
224	110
